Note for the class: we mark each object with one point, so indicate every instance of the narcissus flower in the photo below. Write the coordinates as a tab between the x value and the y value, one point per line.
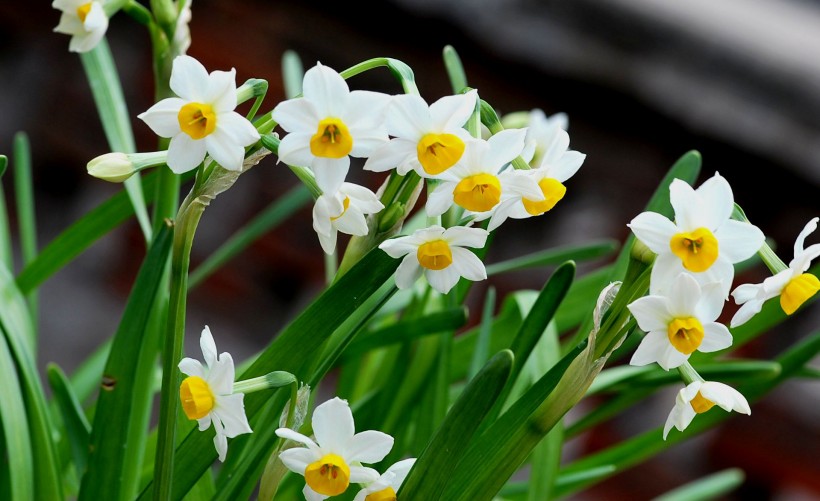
698	397
330	124
679	322
86	22
202	119
333	461
207	394
344	211
476	182
439	254
386	486
702	240
541	133
793	285
428	140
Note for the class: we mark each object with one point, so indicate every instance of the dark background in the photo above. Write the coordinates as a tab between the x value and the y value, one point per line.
641	83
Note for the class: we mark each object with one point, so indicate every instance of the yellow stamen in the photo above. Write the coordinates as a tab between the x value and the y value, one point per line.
553	192
328	476
697	249
332	139
798	291
345	205
387	494
439	152
83	10
197	120
435	255
478	193
685	334
701	404
197	398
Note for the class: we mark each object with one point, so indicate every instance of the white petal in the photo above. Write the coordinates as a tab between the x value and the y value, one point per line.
442	280
683	296
191	367
295	149
398	247
69	24
718	202
746	292
221	375
674	417
686	205
295	436
328	241
556	147
651	313
400	471
225	150
802	262
774	285
721	272
297	459
408	117
671	358
366	140
440	199
746	312
466	237
163	117
311	495
712	300
184	153
297	115
567	166
221	445
238	128
502	212
452	112
362	197
208	346
327	90
504	147
739	241
726	397
366	110
390	155
408	272
333	425
330	172
666	268
352	222
326	207
516	185
221	90
651	348
231	411
189	79
369	446
810	227
468	265
204	423
362	475
716	337
654	230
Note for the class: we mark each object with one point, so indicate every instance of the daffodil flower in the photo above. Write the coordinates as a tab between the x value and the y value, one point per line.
439	254
679	322
85	21
476	182
541	134
698	397
345	211
202	119
557	164
387	485
207	394
332	462
428	140
329	125
793	285
702	240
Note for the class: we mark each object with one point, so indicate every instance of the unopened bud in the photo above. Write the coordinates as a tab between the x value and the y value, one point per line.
112	167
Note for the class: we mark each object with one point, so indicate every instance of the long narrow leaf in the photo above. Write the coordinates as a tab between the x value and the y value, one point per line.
24	196
713	486
6	254
77	428
15	430
554	256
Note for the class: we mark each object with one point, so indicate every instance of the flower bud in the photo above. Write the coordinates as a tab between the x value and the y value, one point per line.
112	167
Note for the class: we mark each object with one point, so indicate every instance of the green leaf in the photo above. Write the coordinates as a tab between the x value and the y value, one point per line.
77	428
581	298
24	196
6	254
431	472
292	74
20	463
712	486
106	476
455	70
482	346
554	256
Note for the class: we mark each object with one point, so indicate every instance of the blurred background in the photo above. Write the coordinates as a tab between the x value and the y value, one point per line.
642	82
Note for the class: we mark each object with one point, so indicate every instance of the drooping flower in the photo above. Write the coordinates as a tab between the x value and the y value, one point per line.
698	397
329	125
345	211
541	134
702	240
85	21
477	183
332	462
202	119
438	253
679	322
387	485
428	140
793	285
556	164
207	394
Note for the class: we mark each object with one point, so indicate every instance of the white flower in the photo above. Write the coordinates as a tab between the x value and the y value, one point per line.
344	211
698	397
182	32
386	486
793	285
86	22
476	182
702	240
679	322
328	124
333	461
201	120
440	254
428	140
541	133
207	394
556	164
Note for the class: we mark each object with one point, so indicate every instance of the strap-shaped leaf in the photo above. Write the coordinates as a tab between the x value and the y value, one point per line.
20	463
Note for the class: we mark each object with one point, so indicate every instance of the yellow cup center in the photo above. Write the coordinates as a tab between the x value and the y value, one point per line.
435	255
685	334
345	205
197	120
553	192
83	10
697	249
798	291
439	152
332	139
197	398
328	476
701	404
387	494
478	193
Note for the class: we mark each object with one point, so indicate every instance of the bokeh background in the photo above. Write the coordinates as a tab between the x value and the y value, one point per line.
642	82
